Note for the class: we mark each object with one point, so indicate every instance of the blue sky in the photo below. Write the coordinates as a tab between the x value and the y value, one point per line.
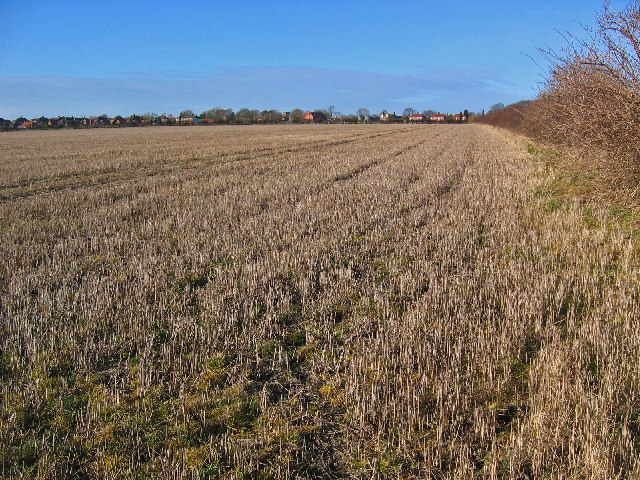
117	57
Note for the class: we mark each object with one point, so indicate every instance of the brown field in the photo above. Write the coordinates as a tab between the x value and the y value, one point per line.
310	302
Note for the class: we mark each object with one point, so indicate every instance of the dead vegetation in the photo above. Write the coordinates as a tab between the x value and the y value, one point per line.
310	302
589	105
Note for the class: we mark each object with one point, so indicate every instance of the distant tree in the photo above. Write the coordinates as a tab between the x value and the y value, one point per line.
496	107
134	119
383	111
363	112
218	114
331	110
187	113
223	115
243	112
149	115
226	115
271	116
408	111
427	113
295	115
466	113
244	115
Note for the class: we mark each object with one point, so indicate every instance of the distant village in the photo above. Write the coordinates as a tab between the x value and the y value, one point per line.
243	116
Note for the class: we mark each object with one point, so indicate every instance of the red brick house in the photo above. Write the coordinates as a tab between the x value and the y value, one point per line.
438	117
416	117
315	117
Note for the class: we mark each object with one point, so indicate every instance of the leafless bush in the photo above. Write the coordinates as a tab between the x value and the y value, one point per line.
590	105
510	117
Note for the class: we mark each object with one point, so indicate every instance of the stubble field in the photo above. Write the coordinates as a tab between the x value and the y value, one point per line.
310	302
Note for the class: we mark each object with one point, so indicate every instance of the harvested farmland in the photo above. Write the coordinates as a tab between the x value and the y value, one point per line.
310	302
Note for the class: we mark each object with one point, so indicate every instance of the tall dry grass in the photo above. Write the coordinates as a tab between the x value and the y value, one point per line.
309	302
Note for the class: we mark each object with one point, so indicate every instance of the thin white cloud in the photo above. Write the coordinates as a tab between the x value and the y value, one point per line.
254	87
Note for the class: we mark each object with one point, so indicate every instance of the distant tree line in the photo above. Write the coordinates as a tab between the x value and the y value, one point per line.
219	116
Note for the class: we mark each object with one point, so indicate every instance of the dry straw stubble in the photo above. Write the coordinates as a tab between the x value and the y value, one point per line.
385	301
